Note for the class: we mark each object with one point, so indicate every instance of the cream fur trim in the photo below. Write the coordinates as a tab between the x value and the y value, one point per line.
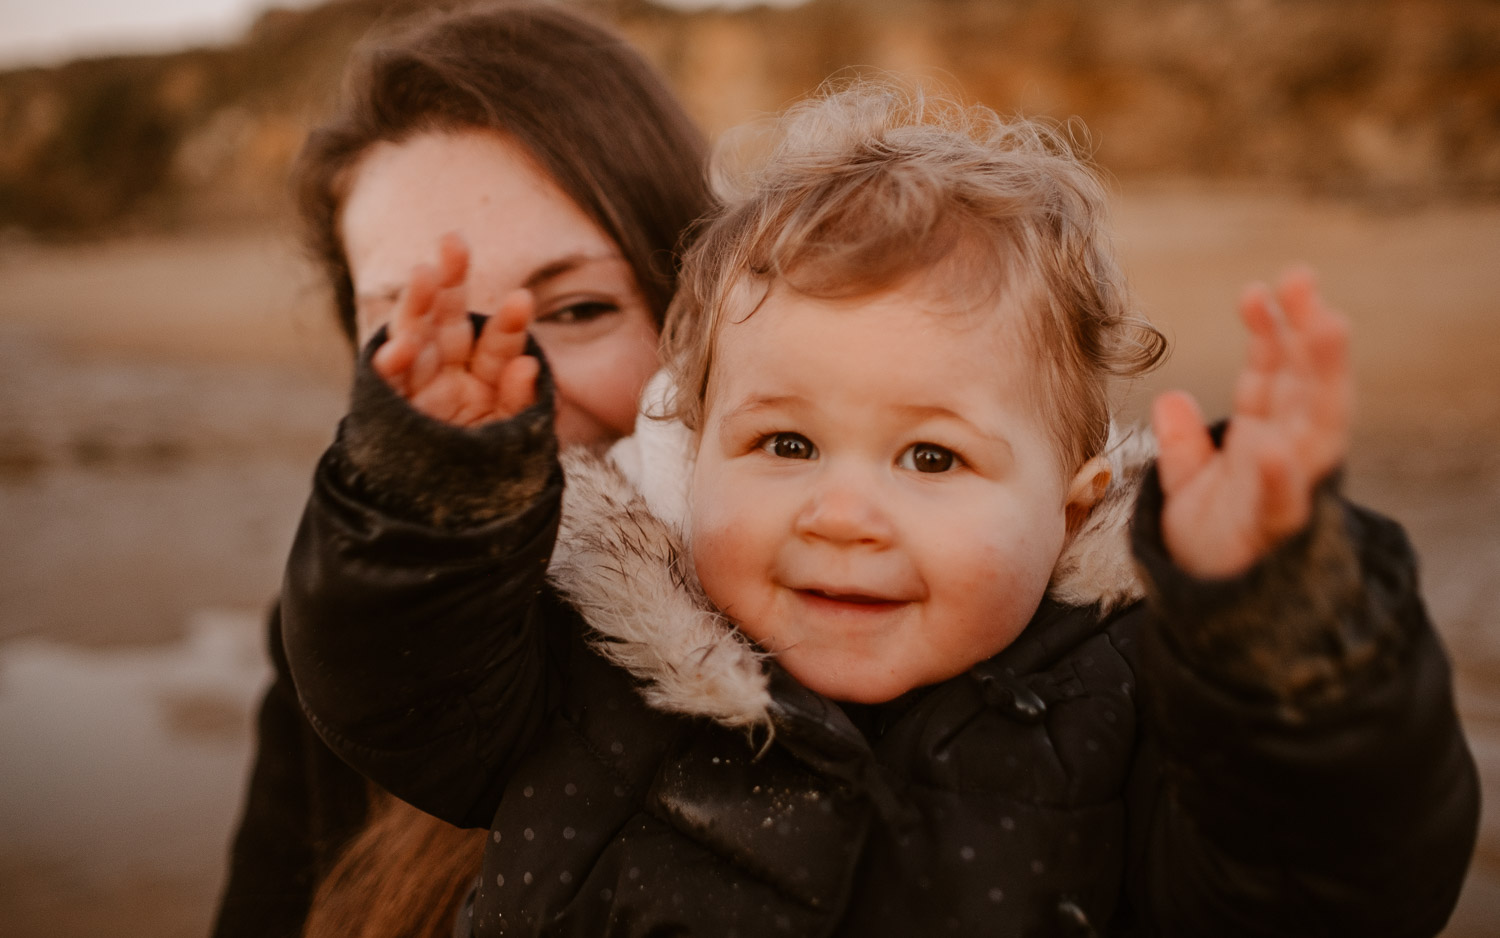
657	458
1096	566
626	572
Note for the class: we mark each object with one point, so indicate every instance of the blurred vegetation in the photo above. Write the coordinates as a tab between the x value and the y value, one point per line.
1392	101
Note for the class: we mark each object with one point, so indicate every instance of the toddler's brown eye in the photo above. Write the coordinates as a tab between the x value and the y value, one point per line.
790	446
928	457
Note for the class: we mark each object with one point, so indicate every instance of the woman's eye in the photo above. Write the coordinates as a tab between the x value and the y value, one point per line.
579	312
928	457
789	446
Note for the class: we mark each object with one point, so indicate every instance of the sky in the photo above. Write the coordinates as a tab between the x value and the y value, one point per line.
45	32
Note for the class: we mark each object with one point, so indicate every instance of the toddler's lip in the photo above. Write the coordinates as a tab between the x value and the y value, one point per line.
851	597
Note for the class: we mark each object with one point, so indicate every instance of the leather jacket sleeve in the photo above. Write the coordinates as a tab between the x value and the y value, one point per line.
1313	776
413	602
302	806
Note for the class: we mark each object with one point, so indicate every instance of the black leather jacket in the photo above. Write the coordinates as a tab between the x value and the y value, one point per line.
302	806
1273	755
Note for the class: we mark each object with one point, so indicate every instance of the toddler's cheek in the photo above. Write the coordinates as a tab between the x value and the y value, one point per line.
715	560
706	559
1013	576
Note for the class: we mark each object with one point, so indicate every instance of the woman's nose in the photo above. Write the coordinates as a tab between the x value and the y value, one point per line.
844	513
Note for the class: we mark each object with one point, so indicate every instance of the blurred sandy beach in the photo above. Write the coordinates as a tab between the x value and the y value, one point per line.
162	402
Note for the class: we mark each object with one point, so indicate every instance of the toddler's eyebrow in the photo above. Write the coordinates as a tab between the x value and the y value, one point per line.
946	413
761	402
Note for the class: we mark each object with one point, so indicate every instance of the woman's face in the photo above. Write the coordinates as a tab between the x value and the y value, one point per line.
522	231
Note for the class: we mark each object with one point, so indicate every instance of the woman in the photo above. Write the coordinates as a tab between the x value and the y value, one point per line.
568	168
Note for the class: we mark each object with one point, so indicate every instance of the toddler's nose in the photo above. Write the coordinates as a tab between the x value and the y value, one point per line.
845	514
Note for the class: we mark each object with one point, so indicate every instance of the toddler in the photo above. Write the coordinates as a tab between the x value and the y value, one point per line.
875	628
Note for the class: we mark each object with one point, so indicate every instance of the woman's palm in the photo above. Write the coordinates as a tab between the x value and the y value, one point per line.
433	358
1226	507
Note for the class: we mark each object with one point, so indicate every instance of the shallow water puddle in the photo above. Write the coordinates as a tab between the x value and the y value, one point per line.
128	761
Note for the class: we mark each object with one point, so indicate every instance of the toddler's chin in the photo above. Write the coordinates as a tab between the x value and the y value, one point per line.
861	682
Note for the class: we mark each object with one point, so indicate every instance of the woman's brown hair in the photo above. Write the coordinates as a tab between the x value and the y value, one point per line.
589	109
404	875
603	124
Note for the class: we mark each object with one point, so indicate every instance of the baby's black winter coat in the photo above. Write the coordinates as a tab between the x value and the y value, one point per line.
1273	755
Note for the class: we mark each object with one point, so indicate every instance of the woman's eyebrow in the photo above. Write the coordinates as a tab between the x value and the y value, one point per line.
564	265
387	294
550	271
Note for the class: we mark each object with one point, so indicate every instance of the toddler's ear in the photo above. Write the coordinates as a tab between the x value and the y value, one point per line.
1084	492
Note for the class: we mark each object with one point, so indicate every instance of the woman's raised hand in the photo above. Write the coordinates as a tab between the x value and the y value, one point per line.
1227	507
433	359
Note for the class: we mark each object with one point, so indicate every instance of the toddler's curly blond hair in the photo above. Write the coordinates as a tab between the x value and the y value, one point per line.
865	186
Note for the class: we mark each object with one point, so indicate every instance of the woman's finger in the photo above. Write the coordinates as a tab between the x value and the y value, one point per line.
517	385
1252	394
1265	356
1285	495
1302	309
1324	387
1324	332
1328	356
1331	393
1297	292
453	259
424	368
503	337
412	318
1267	350
439	400
409	332
1184	441
453	333
393	360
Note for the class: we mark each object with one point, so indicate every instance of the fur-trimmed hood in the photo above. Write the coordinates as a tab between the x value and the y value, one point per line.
622	560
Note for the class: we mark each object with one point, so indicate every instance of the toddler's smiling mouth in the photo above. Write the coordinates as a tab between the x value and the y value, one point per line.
850	598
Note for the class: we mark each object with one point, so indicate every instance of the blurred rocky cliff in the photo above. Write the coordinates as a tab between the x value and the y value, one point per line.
1394	101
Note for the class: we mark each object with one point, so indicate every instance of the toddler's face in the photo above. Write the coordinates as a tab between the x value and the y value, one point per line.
875	499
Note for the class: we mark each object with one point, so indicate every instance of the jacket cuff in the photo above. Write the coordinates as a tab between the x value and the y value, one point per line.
1305	624
425	471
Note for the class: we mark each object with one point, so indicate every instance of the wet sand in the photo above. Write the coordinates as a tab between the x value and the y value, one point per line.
162	402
